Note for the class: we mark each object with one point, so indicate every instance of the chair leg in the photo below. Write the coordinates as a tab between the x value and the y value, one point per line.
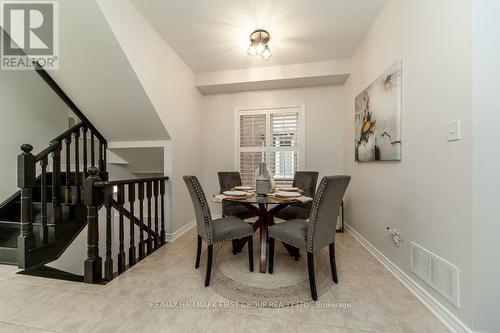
209	264
333	263
250	253
312	280
198	253
235	244
271	255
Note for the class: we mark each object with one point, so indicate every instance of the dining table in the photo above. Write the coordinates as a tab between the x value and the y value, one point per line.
265	207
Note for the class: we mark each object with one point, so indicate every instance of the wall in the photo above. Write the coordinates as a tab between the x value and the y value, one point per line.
428	195
31	113
323	120
486	165
169	84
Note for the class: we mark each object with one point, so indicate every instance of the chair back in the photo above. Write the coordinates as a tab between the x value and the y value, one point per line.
228	180
324	212
204	224
307	181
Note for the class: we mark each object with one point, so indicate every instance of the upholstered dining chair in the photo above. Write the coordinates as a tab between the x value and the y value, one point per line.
227	181
215	231
318	232
305	180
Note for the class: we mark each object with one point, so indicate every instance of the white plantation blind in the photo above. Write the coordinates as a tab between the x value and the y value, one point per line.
284	131
274	136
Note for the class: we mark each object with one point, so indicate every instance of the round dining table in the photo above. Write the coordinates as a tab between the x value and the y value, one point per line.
265	207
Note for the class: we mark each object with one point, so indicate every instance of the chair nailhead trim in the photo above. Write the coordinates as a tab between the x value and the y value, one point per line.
314	213
235	237
207	218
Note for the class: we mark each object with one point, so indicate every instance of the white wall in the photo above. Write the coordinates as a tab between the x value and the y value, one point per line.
169	84
31	113
486	165
428	195
323	120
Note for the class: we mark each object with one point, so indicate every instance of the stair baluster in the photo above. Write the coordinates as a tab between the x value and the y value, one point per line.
157	231
77	167
84	153
148	196
43	199
67	140
121	251
102	164
108	263
131	250
56	183
162	198
92	149
141	218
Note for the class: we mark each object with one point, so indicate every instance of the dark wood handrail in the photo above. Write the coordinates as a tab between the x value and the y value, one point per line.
70	131
55	87
127	181
57	141
52	146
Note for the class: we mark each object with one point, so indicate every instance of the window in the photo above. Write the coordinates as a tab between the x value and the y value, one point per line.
271	135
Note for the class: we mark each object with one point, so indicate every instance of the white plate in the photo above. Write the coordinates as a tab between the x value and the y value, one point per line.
287	194
288	189
243	188
235	193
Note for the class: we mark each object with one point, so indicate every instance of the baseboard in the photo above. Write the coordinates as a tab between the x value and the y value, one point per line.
178	233
441	312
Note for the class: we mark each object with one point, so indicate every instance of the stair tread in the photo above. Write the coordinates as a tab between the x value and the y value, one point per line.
60	233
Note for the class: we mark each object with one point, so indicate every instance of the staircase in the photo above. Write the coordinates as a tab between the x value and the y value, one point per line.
61	191
50	235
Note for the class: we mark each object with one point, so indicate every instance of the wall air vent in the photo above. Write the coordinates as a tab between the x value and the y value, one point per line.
436	272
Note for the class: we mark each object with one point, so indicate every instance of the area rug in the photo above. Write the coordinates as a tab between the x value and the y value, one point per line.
287	286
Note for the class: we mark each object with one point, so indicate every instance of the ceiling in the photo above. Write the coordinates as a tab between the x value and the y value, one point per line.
213	35
95	73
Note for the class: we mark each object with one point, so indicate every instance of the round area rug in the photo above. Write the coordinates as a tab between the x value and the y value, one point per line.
288	285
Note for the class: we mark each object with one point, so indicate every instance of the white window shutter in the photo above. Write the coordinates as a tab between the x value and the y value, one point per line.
272	136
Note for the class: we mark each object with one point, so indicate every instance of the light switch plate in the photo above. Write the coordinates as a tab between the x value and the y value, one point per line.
454	130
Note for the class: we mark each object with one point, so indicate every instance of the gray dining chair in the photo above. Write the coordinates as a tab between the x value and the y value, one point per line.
318	232
227	181
215	231
305	180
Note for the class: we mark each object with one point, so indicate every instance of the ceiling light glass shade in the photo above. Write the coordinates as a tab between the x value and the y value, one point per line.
259	40
266	54
259	48
252	51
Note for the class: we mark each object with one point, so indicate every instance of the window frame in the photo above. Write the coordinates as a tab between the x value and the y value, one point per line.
268	110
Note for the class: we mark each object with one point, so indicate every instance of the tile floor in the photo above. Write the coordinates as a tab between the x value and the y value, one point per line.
378	302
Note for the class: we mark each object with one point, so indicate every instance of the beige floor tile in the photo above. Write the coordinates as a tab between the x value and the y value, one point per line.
221	321
12	328
366	299
316	328
259	324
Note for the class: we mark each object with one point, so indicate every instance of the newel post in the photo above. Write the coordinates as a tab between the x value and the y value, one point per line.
25	181
92	198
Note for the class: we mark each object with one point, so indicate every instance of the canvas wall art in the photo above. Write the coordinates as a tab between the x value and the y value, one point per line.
378	118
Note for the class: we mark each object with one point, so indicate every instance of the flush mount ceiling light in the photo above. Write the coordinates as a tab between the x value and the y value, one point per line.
258	44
